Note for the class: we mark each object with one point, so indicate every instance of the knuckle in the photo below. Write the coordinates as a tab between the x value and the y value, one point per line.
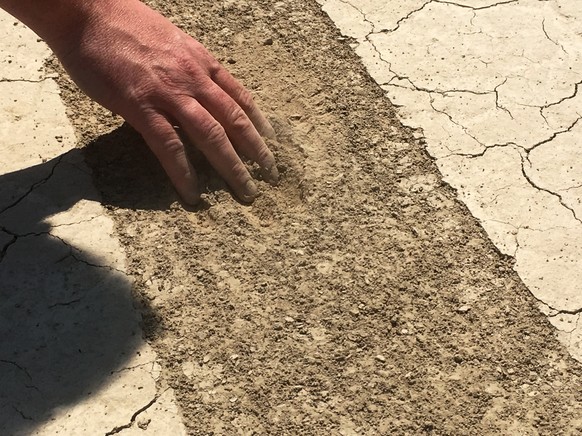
238	171
213	133
168	150
173	147
184	61
239	119
214	68
245	100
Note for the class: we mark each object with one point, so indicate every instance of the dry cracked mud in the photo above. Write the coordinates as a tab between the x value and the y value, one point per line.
358	297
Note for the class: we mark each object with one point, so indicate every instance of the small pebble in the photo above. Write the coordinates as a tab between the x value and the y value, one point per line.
143	422
463	309
380	358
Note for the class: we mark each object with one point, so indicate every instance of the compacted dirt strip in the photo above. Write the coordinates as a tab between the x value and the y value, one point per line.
358	297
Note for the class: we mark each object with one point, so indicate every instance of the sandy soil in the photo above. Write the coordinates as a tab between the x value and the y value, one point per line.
358	297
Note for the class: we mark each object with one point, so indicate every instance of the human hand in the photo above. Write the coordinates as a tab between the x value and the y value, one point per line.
139	65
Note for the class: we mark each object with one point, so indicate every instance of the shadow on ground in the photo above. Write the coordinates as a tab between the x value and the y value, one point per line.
67	317
133	176
129	176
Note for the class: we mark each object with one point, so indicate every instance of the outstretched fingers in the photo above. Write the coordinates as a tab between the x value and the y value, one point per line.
244	99
223	122
165	143
240	129
209	135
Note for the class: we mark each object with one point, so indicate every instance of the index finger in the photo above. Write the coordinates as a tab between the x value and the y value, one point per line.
240	130
245	100
165	143
210	137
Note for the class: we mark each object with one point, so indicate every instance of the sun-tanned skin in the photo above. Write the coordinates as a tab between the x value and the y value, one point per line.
136	63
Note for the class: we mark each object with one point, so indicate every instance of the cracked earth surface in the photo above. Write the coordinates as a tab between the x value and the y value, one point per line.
358	297
493	86
72	357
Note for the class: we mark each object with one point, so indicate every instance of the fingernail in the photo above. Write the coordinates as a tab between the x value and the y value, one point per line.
250	191
192	198
266	130
269	132
191	194
271	175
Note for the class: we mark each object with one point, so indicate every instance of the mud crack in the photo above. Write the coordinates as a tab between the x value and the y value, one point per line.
559	311
80	260
129	368
7	246
118	429
34	185
406	17
70	248
572	328
66	303
16	365
541	188
44	79
417	10
569	97
550	39
554	135
476	8
21	413
362	13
